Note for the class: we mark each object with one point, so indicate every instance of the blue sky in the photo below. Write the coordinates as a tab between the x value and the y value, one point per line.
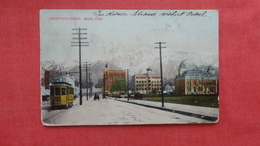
122	34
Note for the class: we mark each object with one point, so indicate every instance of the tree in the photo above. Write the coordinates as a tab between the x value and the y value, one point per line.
118	86
154	92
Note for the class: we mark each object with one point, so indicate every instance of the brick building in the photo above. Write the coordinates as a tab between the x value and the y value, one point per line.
146	83
195	82
110	77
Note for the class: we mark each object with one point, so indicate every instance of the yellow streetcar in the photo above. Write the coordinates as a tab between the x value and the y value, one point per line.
62	91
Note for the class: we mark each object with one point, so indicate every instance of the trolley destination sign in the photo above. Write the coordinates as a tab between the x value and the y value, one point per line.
124	67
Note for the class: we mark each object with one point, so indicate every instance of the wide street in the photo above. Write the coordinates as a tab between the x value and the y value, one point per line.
111	112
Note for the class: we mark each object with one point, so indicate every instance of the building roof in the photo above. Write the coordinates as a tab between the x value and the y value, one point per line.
182	65
115	71
144	76
196	75
210	68
200	74
195	67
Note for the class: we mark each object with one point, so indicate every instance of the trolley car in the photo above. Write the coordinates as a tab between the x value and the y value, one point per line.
62	91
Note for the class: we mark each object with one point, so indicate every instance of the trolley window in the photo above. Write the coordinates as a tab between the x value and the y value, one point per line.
72	90
57	91
52	90
63	91
69	90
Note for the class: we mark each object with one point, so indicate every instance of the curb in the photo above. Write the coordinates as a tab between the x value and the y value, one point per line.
209	118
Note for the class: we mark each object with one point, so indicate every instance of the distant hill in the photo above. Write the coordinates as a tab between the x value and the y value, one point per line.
137	62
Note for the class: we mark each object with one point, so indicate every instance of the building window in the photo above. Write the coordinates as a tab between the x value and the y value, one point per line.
116	76
207	90
110	76
122	76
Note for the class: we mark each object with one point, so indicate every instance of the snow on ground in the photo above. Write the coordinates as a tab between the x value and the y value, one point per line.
110	112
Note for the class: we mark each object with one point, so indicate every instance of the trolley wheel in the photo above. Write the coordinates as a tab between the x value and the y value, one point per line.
70	104
67	106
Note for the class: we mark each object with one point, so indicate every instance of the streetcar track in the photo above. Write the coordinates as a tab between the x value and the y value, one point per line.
46	119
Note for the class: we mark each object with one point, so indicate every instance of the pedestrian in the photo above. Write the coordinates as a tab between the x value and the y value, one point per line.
95	97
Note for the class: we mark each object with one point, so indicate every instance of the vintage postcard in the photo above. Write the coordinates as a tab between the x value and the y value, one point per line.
129	67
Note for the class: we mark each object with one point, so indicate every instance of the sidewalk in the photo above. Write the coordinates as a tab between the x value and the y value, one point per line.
206	113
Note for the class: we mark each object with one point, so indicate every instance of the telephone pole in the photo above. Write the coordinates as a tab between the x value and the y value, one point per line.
127	84
160	47
80	42
87	67
90	83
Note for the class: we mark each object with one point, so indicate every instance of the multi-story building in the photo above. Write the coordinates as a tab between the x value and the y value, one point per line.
146	83
195	82
110	77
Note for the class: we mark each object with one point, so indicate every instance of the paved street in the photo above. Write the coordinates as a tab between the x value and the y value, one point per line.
110	112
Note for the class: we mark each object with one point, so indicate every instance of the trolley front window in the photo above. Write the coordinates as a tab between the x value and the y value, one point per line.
52	90
57	91
63	91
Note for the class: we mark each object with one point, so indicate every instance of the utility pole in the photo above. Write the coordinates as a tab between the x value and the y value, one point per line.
79	43
87	79
160	47
87	67
90	82
127	84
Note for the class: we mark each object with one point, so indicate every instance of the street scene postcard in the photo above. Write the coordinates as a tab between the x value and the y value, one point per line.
129	67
